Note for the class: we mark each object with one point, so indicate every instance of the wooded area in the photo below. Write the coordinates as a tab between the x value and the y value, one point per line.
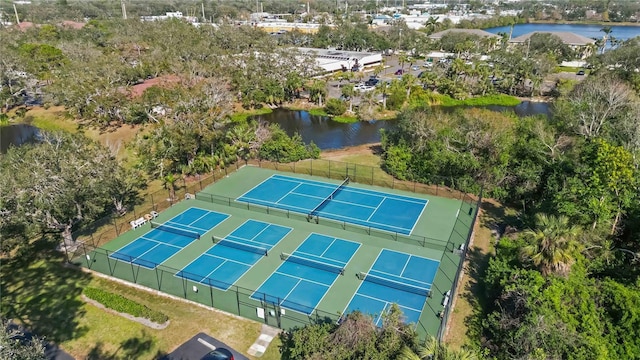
564	282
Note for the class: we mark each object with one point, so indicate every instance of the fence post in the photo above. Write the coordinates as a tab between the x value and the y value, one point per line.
372	175
311	167
329	169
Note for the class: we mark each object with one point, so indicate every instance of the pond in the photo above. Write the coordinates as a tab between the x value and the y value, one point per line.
328	134
325	133
17	134
620	32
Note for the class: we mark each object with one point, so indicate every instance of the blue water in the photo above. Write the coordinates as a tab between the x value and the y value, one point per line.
590	31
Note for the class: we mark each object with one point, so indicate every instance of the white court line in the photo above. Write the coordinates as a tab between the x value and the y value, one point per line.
375	210
250	190
405	266
299	278
327	249
419	217
290	291
404	253
386	194
402	277
384	301
362	282
263	202
306	181
287	194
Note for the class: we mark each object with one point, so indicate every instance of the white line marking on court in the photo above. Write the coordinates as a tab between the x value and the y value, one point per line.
327	249
384	301
250	190
287	194
158	243
196	220
362	282
375	272
405	265
185	227
376	209
214	270
419	217
306	181
384	194
290	291
299	278
270	204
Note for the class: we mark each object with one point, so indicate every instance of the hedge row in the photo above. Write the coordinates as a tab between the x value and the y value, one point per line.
121	304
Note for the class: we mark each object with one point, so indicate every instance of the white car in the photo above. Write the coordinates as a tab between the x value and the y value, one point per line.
415	68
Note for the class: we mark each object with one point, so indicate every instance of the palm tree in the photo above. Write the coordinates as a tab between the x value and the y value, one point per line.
606	30
348	91
552	245
169	182
433	350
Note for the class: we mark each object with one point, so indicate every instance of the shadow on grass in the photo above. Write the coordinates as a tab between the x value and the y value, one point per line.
496	218
129	349
40	292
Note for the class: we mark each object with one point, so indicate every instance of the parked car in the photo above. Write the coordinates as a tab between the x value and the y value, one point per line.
580	73
399	72
415	68
372	82
219	354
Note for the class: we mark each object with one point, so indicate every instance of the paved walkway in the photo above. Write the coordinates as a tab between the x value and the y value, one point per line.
267	333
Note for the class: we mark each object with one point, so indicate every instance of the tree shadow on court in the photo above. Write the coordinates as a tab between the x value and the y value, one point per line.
39	291
131	348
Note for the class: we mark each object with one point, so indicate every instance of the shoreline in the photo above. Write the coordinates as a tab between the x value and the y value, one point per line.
567	22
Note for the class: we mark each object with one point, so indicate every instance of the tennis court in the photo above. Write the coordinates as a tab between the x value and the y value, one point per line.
304	278
369	208
395	277
231	257
165	240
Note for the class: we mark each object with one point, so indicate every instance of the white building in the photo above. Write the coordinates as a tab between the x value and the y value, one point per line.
339	60
170	15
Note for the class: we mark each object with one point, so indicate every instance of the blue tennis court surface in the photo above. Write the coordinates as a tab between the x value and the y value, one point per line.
394	213
304	278
156	246
395	277
225	262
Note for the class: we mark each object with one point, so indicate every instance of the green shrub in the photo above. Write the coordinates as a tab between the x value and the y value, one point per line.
121	304
282	148
335	107
318	112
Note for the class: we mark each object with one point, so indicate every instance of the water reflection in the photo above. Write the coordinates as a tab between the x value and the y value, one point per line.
329	134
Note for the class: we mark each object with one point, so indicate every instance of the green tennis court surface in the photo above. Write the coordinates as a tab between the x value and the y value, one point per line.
259	254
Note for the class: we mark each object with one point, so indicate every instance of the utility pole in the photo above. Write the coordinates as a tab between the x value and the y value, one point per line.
204	18
124	10
16	12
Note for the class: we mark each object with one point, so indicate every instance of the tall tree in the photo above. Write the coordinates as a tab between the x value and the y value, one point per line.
55	186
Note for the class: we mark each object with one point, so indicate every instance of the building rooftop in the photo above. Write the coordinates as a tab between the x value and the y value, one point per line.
568	38
477	32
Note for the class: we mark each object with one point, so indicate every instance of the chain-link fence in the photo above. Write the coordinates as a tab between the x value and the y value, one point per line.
246	302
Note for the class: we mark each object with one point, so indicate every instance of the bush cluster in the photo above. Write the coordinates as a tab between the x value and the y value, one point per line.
121	304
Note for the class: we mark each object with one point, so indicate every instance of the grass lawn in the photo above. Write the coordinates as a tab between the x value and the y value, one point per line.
39	291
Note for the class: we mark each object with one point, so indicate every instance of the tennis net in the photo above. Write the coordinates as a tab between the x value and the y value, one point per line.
328	198
394	284
312	263
241	246
175	230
